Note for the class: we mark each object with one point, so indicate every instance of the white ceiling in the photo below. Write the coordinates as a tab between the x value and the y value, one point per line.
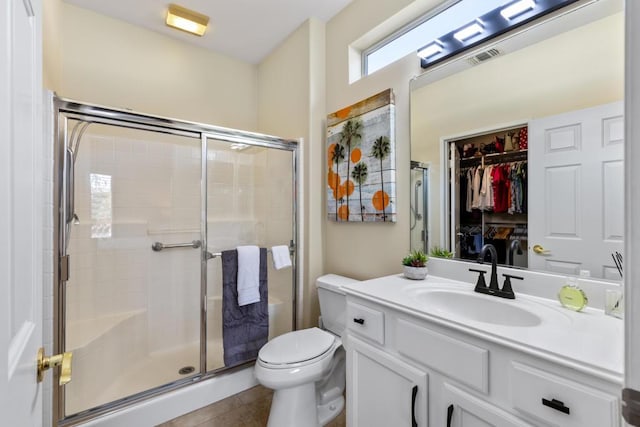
247	30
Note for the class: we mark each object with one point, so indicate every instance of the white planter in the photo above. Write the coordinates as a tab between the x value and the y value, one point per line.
415	273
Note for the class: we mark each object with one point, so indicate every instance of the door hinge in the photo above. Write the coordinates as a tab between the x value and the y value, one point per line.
63	268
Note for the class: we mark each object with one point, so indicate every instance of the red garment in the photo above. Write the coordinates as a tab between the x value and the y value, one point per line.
501	188
524	138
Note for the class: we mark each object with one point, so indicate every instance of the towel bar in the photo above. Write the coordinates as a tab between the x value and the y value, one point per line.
158	246
211	255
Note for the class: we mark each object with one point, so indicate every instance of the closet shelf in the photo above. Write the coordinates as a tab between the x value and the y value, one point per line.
507	156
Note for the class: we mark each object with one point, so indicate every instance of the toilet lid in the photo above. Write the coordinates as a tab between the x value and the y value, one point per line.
296	346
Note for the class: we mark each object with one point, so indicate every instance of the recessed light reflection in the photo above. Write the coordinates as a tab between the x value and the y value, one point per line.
468	32
517	8
430	50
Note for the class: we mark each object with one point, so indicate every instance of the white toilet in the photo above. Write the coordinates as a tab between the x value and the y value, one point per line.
306	368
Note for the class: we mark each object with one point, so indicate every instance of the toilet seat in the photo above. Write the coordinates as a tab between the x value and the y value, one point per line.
296	348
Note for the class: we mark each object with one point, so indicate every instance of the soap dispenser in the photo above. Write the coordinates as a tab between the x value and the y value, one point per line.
571	296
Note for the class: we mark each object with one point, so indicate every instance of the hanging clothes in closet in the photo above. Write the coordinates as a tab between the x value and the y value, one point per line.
495	188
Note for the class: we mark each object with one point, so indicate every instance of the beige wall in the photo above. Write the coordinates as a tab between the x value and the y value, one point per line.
290	101
51	24
366	250
574	70
110	62
97	59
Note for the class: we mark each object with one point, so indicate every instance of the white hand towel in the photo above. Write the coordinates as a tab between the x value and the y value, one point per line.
281	257
248	275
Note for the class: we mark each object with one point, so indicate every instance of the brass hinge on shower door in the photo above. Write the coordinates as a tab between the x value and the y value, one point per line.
46	362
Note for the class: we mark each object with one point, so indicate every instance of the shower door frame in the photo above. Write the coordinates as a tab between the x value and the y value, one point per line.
65	110
424	169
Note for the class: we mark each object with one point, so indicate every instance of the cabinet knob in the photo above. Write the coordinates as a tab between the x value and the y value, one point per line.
359	321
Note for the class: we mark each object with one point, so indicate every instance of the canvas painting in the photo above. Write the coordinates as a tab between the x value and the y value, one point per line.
361	165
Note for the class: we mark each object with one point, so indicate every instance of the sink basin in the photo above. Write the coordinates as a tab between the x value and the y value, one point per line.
477	307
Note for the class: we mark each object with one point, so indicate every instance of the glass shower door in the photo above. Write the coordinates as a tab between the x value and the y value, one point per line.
419	221
250	201
132	316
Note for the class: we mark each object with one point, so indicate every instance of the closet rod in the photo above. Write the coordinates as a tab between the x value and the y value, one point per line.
508	157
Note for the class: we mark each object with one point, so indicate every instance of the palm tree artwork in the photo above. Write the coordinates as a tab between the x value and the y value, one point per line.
350	137
360	140
359	175
337	157
380	150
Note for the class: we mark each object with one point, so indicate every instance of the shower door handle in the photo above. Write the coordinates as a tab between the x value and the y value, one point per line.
71	184
418	216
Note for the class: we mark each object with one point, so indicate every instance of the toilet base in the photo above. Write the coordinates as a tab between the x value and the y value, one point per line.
295	406
327	412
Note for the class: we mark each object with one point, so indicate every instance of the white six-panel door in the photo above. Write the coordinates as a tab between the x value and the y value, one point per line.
20	212
576	191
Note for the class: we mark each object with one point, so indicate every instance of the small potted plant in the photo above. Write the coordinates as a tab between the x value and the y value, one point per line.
415	265
438	252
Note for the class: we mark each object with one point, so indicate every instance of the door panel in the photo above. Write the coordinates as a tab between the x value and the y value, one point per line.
562	201
132	313
21	220
466	410
372	405
250	199
576	164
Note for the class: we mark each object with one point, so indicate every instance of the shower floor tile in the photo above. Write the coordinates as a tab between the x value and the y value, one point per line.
247	409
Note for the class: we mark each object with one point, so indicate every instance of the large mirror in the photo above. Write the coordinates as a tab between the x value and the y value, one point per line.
541	114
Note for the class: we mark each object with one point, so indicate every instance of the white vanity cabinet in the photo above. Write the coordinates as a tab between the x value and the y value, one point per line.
463	379
385	390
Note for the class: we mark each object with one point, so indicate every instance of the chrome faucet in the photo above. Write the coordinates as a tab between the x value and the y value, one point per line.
515	247
493	288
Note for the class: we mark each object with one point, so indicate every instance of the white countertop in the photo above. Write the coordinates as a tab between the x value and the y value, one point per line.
588	341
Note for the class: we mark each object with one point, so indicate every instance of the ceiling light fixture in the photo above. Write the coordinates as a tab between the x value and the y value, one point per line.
430	50
468	32
517	8
187	20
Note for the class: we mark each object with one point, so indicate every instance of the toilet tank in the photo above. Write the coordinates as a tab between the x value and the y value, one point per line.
333	305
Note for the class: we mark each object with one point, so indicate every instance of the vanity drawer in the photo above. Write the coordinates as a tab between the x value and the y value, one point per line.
365	321
461	361
560	402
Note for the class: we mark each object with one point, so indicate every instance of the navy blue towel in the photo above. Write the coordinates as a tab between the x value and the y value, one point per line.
244	329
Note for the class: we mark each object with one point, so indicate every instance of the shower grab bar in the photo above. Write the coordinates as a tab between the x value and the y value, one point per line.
159	246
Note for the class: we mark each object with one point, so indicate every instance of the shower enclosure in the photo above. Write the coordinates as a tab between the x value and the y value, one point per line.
144	205
419	219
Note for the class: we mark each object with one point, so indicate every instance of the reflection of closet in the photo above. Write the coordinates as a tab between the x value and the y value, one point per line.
489	194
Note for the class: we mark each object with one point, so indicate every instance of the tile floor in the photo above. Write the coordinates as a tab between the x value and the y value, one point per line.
247	409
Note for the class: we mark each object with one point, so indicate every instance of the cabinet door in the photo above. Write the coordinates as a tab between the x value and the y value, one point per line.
382	390
462	409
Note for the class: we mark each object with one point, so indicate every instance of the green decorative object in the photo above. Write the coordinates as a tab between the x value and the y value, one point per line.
439	252
415	259
415	265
